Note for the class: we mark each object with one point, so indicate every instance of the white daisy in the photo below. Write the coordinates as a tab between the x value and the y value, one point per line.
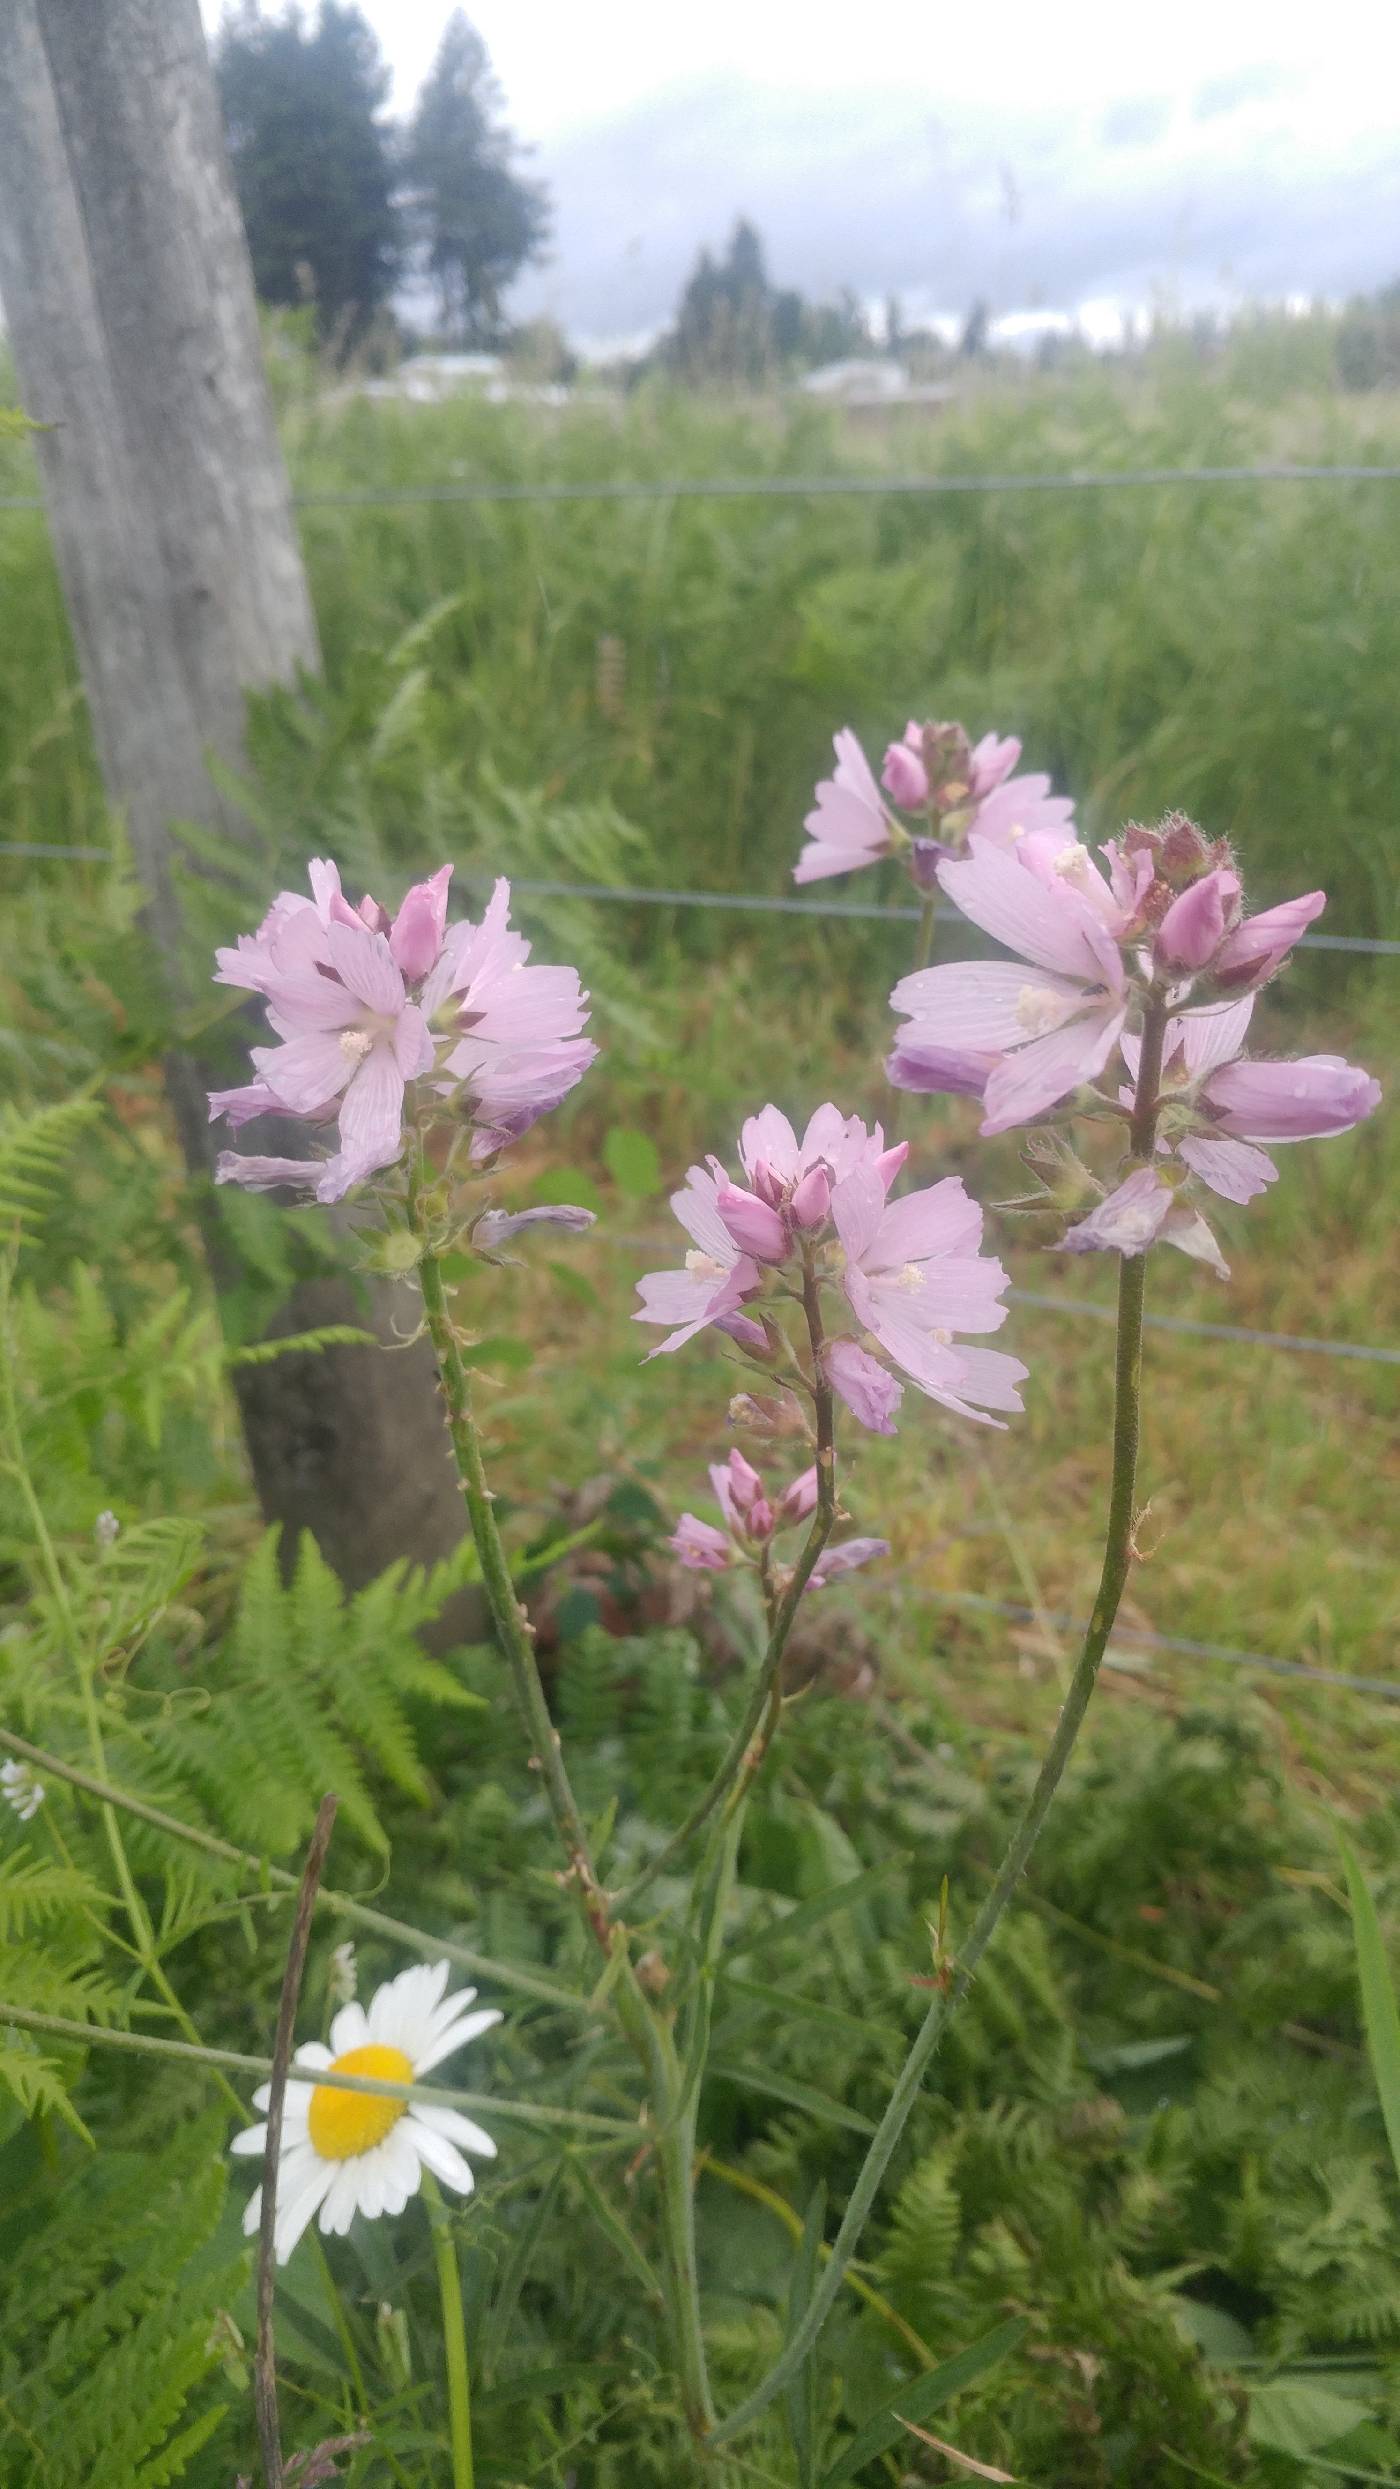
345	2152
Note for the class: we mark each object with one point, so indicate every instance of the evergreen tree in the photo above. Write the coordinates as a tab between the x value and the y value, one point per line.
313	160
733	325
478	218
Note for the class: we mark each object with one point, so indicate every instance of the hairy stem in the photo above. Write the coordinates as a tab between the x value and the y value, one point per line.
754	1732
1117	1560
454	2335
513	1627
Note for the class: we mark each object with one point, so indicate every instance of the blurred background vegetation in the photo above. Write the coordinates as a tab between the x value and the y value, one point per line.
1152	2135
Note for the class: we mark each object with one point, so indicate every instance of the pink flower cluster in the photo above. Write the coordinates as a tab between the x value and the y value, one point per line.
752	1517
911	1272
365	1005
959	789
1025	1036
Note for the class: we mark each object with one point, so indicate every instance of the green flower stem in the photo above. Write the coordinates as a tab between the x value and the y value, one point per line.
753	1735
454	2335
436	2095
928	918
284	1884
1117	1560
512	1624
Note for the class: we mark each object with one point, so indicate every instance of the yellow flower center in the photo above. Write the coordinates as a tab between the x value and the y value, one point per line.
343	2124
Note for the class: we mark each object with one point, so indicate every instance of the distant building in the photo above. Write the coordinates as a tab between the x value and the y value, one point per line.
427	378
861	381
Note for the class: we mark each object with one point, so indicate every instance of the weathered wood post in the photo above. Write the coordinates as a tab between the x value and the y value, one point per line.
129	299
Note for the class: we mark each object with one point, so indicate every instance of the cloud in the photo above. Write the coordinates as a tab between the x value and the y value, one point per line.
1253	186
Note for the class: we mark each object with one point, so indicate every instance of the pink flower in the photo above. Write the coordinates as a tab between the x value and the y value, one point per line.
717	1278
939	1071
1249	956
915	1275
353	995
1195	924
849	826
1054	1028
834	1561
1233	1104
495	1227
1009	813
520	1049
738	1491
701	1547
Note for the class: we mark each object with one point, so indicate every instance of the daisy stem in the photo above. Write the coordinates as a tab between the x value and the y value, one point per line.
516	1633
454	2334
1117	1562
754	1733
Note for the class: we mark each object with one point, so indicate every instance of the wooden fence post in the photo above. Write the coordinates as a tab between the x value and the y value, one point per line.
129	299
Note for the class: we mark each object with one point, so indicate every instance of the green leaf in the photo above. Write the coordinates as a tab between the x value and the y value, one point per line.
809	1914
1378	2006
633	1161
1295	2416
801	2395
921	2396
796	2095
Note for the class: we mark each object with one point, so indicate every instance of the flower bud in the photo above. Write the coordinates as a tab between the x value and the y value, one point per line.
1249	955
762	1415
415	937
1195	924
755	1227
700	1547
799	1499
905	777
922	860
811	1201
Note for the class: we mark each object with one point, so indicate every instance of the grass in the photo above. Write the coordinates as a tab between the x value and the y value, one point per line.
645	693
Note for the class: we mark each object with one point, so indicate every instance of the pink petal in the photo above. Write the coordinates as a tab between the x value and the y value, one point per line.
938	1071
1023	808
263	1175
870	1393
371	1114
412	1042
754	1227
834	1561
1030	1082
848	825
983	1006
1193	927
1052	928
1230	1168
700	1547
941	1218
1212	1036
307	1072
364	962
858	1209
1128	1220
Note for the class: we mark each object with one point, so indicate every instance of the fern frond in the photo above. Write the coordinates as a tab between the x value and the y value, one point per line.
35	1153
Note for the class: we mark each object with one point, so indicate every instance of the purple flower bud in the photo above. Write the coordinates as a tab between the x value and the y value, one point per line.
889	1162
812	1199
1194	925
415	937
758	1520
744	1485
1300	1101
1249	955
799	1499
767	1184
755	1227
905	777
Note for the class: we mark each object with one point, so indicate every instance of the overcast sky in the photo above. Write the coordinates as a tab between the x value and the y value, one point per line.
1056	153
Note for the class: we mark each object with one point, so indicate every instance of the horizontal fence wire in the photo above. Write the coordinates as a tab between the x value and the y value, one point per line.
737	902
807	487
1141	1637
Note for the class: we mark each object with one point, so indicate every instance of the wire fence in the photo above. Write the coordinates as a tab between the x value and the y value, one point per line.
486	490
1141	1637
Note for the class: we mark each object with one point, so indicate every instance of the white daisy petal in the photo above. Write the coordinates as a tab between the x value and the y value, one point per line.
253	2139
296	2212
444	2159
342	2199
262	2095
350	2029
252	2212
456	2036
458	2129
313	2054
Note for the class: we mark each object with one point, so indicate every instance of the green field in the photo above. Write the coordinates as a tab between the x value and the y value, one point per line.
1152	2137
